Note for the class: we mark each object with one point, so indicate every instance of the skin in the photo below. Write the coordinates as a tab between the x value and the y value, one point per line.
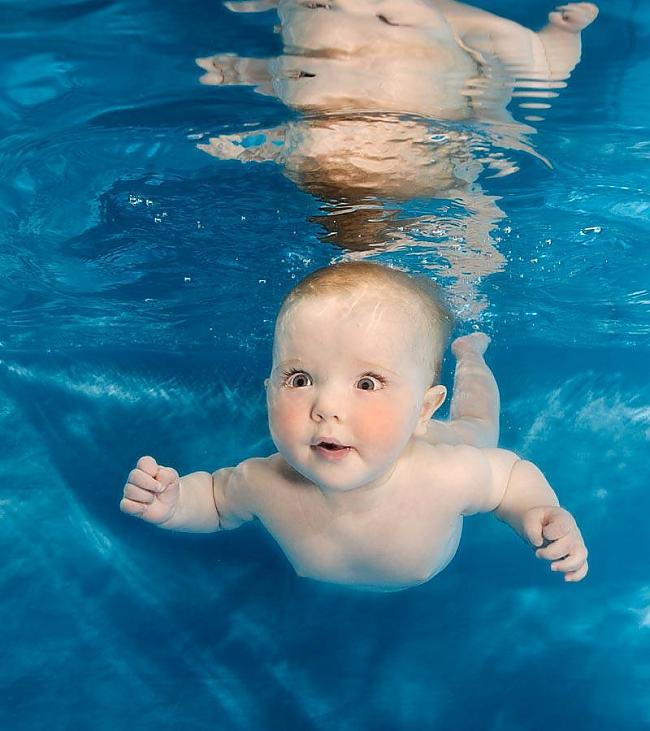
385	513
374	399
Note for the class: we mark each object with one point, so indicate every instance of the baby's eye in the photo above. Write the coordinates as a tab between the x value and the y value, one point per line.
370	383
297	379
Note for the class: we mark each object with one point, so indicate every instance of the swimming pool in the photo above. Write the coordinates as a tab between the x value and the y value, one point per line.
140	281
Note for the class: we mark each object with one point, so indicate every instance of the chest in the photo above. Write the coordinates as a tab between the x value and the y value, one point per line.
399	543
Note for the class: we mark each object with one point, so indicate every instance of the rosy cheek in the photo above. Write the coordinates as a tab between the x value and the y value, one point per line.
286	417
380	424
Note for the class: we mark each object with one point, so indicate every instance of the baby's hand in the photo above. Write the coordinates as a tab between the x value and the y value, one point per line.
553	531
151	492
472	343
573	17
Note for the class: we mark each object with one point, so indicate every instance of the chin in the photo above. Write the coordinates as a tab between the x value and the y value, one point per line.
327	479
335	486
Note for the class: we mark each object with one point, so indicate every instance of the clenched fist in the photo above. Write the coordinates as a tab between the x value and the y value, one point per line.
553	531
151	492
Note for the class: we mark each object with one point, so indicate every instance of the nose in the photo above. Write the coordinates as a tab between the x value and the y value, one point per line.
327	405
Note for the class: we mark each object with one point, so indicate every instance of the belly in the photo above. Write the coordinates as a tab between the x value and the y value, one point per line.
379	562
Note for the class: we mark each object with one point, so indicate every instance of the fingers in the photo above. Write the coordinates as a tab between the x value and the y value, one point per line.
142	487
147	465
579	574
569	555
138	494
574	16
572	562
166	476
588	10
560	523
144	481
558	538
533	526
151	491
131	507
557	549
139	491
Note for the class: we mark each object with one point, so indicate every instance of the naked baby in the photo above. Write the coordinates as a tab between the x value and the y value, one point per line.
366	489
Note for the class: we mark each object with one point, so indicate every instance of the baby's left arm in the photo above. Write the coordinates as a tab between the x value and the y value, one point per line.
531	508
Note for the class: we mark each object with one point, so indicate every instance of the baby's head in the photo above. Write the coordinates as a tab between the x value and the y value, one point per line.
356	358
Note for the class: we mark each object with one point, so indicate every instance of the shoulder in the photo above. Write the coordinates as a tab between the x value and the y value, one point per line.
254	482
236	489
459	461
485	494
263	472
476	477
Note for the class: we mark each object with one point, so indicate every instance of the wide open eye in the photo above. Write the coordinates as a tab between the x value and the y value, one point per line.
297	379
370	383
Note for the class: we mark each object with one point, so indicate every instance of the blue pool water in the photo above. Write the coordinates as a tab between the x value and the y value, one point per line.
140	278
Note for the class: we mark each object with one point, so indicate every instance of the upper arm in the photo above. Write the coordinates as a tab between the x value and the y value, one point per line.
487	473
234	491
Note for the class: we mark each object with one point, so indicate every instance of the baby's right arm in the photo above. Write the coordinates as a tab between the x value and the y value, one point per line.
196	503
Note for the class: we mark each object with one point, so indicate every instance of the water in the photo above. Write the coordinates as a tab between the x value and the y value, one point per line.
141	278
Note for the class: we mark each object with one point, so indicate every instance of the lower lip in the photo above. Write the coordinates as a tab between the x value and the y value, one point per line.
332	455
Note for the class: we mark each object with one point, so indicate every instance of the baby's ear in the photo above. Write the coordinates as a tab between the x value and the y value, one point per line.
433	399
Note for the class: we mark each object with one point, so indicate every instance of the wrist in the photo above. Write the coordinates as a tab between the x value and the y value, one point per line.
195	509
174	520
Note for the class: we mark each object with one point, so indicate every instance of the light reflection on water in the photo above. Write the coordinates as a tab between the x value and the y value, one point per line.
461	189
400	101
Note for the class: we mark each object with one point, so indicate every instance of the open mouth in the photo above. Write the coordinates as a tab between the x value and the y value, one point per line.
331	446
331	450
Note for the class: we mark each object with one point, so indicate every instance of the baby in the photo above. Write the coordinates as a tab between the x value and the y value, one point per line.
365	488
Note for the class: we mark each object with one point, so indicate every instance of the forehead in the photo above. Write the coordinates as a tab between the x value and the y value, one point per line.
378	324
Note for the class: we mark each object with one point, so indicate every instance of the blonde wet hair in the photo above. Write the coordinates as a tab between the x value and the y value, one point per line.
419	294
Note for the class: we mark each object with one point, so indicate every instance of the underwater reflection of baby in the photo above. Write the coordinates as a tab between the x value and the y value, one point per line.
366	489
371	78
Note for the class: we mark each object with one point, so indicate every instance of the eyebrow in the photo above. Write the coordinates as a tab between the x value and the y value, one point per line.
377	367
289	360
364	366
286	363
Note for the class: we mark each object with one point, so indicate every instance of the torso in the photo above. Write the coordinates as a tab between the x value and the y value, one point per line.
403	540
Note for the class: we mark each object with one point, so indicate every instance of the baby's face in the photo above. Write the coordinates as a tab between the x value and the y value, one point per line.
348	389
